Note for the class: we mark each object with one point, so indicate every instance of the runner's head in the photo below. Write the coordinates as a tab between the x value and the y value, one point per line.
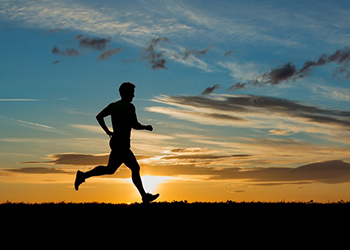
127	90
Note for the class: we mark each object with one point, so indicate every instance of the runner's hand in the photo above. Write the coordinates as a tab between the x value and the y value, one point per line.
110	134
149	128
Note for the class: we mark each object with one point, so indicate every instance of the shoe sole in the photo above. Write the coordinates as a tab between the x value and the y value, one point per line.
153	199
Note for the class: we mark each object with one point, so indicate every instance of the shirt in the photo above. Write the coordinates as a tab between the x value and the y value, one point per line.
123	114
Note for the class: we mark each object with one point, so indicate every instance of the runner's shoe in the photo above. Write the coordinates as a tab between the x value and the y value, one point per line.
149	198
78	179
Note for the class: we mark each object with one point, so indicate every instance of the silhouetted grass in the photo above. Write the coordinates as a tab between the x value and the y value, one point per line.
173	219
176	207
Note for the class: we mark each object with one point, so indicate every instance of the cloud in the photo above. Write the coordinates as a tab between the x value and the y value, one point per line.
280	132
280	74
289	71
107	54
187	53
38	125
18	100
190	150
201	157
330	172
66	52
198	53
189	57
96	43
93	43
210	90
254	112
243	71
238	86
340	57
209	164
250	73
330	92
56	62
228	53
209	118
74	159
152	54
37	170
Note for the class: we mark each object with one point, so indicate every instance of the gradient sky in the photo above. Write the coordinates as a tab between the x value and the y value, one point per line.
249	100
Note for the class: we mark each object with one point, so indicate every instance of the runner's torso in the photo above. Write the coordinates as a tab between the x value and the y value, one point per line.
123	117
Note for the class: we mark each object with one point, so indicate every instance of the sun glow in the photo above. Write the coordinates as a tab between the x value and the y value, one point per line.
150	182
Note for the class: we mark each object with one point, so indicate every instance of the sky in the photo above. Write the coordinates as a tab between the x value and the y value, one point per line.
249	100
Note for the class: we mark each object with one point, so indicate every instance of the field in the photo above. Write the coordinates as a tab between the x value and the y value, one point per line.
178	209
177	221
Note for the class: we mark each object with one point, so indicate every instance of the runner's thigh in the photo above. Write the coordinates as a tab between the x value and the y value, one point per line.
115	159
130	160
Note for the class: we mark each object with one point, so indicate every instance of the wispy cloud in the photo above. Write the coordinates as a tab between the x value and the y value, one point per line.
210	90
74	159
65	15
136	134
87	43
37	170
254	112
228	53
243	71
108	53
32	125
330	92
200	164
93	43
153	55
188	53
36	125
189	57
65	52
289	71
238	86
18	100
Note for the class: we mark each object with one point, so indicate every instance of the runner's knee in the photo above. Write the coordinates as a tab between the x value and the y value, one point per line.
110	170
135	169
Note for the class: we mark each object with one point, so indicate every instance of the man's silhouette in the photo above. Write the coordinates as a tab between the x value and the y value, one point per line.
123	119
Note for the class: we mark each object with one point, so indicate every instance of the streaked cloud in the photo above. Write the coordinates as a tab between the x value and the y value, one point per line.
237	86
108	53
74	159
37	170
19	100
153	55
243	71
289	71
253	112
330	92
36	125
65	52
210	90
194	164
136	134
95	43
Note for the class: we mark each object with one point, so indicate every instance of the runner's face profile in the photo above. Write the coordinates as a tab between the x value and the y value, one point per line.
130	96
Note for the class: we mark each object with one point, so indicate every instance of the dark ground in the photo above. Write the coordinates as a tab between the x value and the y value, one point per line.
217	211
226	220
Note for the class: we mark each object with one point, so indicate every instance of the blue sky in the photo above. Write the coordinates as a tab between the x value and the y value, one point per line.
278	112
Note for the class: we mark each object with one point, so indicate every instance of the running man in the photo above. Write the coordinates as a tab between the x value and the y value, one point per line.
124	118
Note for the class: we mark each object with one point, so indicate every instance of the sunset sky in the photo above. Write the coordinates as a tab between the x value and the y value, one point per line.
249	100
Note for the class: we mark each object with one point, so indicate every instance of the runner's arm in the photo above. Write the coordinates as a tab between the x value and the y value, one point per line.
100	118
135	123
